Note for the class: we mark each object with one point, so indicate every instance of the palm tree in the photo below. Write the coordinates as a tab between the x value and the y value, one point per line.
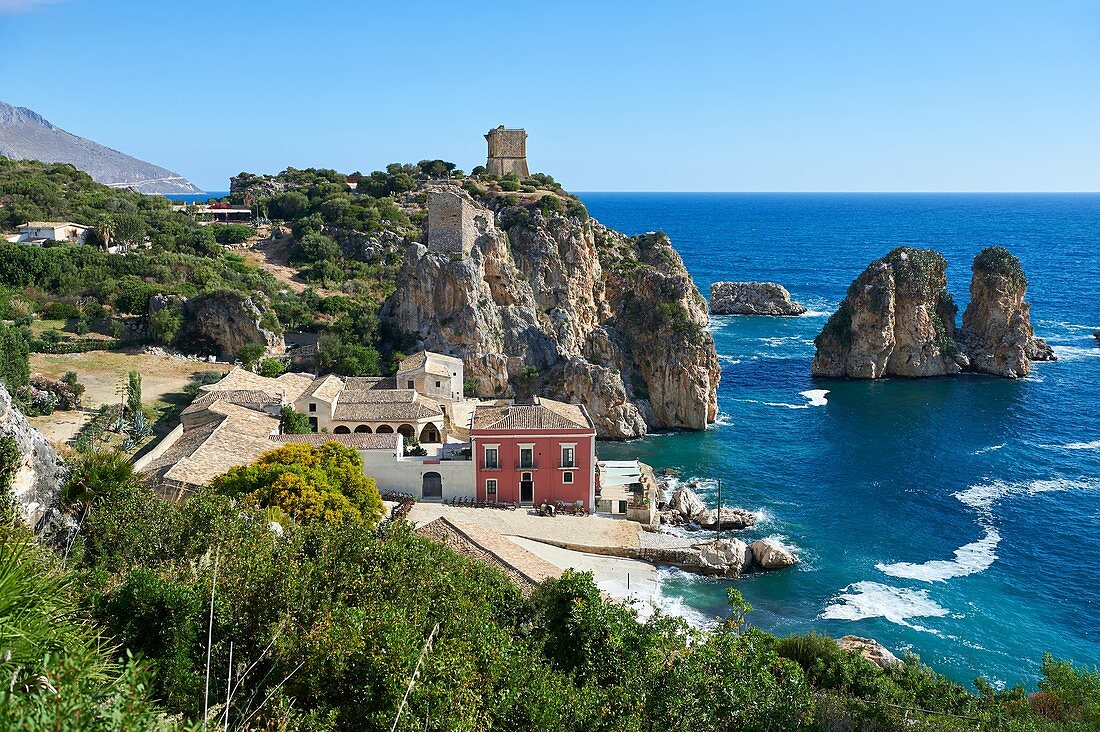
105	230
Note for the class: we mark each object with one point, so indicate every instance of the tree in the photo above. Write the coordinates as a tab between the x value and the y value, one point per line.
272	367
15	369
166	322
132	395
293	422
249	355
309	483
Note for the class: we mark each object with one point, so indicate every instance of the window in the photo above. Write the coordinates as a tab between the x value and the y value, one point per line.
411	384
491	487
527	457
567	476
568	456
491	460
312	407
437	385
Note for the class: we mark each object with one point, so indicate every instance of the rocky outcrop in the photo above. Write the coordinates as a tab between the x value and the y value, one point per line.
996	326
899	320
685	503
38	471
725	558
222	322
730	518
870	649
896	320
769	554
557	304
752	298
1096	335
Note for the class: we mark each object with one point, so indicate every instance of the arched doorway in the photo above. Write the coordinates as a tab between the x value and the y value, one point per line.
363	429
407	430
430	433
341	430
432	486
384	429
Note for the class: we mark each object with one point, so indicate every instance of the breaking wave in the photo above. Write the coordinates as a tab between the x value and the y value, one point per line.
816	397
875	600
982	496
971	558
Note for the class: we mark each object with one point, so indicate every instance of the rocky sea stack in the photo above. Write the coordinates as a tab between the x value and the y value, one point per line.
898	319
540	298
752	298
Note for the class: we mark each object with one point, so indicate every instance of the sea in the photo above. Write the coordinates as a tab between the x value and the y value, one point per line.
954	518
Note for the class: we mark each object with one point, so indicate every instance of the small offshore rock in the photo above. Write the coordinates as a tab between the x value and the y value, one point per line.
686	503
732	518
1096	335
870	649
725	557
770	554
752	298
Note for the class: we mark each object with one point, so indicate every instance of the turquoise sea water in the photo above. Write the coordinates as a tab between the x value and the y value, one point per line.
958	518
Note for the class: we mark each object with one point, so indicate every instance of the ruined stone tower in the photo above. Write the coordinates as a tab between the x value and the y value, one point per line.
451	227
507	152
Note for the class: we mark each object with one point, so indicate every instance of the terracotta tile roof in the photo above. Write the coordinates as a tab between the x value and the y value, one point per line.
438	369
244	397
543	414
324	389
359	383
377	396
288	386
414	361
356	440
385	412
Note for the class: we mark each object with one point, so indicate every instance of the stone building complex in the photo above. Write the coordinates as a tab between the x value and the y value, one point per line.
507	152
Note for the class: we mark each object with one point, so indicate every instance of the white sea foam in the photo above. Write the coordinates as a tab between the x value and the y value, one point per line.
815	314
991	448
982	496
1074	353
1094	445
875	600
730	360
816	397
971	558
723	419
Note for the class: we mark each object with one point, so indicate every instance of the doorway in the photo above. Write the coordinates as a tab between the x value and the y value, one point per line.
526	489
432	487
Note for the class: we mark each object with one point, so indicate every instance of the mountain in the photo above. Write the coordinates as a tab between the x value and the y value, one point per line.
26	135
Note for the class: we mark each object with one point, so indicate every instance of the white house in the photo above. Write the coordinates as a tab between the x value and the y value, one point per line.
39	232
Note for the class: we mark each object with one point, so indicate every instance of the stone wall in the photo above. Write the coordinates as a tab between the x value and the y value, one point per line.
507	152
451	228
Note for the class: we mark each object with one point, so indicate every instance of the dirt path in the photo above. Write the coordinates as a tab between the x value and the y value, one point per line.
274	256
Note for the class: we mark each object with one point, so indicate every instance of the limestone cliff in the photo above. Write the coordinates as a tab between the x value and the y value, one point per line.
896	320
996	326
553	302
899	320
222	322
752	298
38	470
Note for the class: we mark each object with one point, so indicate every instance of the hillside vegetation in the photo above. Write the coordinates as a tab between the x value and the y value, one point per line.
320	625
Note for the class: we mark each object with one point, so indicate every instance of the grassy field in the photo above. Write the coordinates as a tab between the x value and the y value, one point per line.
164	384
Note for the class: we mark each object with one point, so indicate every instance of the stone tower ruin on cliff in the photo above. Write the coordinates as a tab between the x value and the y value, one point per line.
507	152
451	227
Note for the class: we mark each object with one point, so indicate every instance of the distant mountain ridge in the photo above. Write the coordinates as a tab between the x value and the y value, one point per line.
27	135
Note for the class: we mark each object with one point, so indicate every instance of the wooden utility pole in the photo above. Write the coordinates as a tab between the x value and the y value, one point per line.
718	522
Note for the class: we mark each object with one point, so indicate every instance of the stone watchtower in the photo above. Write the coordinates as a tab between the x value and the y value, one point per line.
451	227
507	152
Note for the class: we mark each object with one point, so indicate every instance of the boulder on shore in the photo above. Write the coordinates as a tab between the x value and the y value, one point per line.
770	554
870	649
731	518
752	298
724	557
686	503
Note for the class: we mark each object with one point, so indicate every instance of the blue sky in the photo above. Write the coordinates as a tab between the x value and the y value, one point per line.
707	96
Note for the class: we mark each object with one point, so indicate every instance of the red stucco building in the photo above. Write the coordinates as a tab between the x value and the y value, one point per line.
528	453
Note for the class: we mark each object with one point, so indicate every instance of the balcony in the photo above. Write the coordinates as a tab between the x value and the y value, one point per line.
568	465
526	465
